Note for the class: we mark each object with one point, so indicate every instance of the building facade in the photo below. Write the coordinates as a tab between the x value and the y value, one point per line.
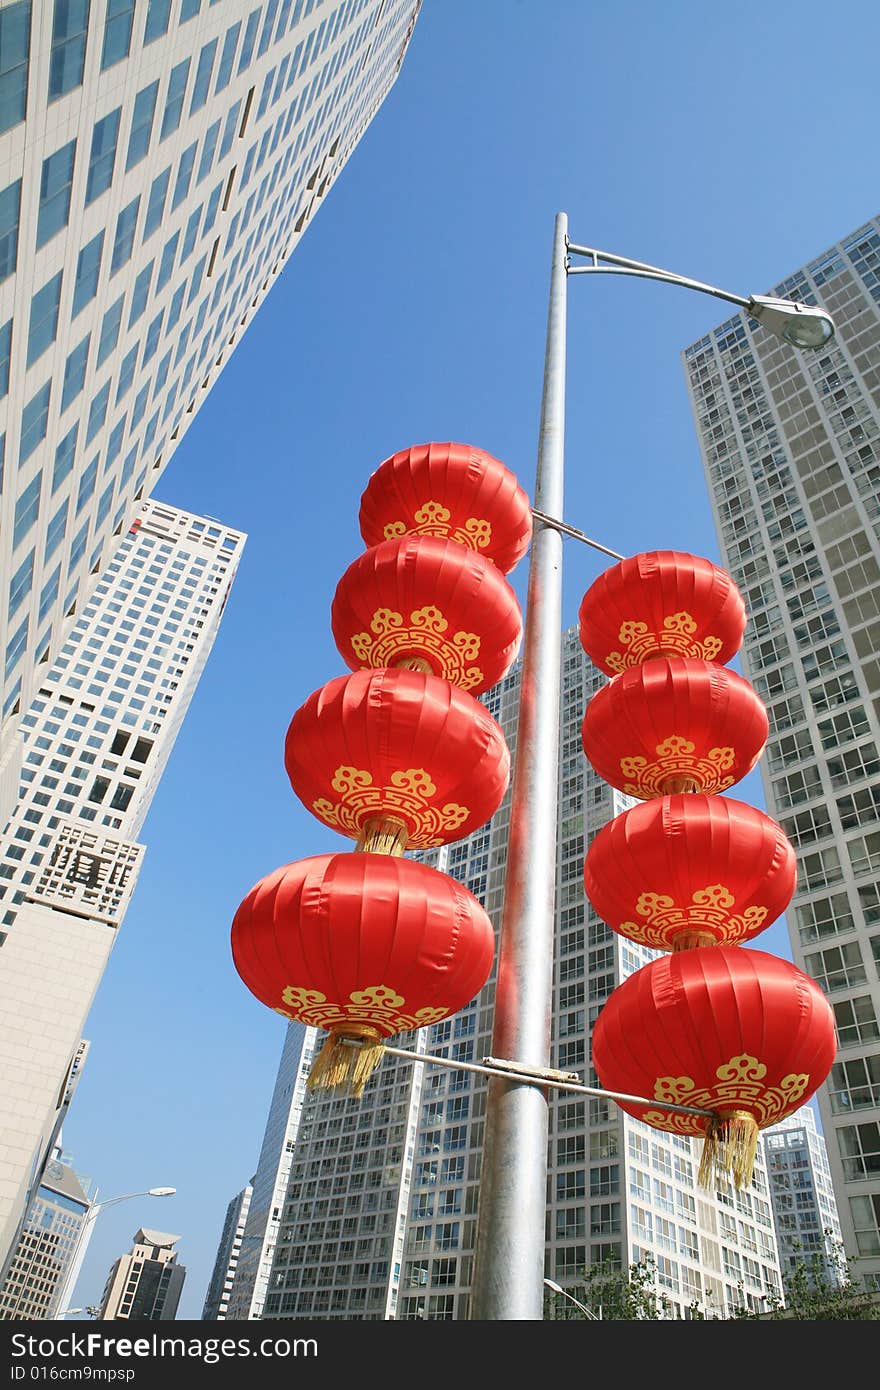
217	1298
791	450
804	1205
145	1285
97	736
47	1248
158	164
379	1216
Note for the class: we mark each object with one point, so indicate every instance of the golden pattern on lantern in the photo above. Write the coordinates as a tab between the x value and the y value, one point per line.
390	641
433	519
676	764
674	638
379	1007
665	920
406	795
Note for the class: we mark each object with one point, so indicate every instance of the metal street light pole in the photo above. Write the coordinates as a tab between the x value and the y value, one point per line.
85	1235
563	1293
509	1256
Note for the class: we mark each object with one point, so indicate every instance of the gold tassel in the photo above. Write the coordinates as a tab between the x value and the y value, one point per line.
729	1150
339	1066
672	786
414	663
383	835
687	940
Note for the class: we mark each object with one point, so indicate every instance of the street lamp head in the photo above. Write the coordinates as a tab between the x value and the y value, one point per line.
554	1286
802	325
161	1191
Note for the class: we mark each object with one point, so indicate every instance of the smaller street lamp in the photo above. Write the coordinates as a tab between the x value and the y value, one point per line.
85	1235
563	1293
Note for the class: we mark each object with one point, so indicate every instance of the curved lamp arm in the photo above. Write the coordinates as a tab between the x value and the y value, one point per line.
801	325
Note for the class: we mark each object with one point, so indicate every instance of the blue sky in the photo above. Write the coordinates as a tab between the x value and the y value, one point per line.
729	143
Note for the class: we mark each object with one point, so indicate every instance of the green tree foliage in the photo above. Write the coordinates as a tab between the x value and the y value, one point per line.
813	1294
613	1294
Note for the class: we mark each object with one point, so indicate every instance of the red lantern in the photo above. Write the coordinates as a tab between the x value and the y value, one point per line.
397	759
661	603
364	946
682	871
429	603
674	725
732	1030
450	490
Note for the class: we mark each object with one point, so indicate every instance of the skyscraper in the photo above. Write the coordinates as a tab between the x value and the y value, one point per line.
791	450
216	1304
48	1246
97	736
804	1207
158	164
380	1211
146	1284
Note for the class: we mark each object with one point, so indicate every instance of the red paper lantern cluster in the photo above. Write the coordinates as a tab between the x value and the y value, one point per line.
398	755
691	872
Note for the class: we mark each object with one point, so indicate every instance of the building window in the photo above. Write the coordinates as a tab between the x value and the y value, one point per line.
15	649
70	25
140	294
123	241
110	329
64	456
174	99
166	265
117	32
10	201
189	9
98	411
56	181
88	269
75	373
34	419
184	175
211	137
202	80
158	13
5	355
44	318
55	531
227	57
15	39
20	585
156	204
27	509
141	125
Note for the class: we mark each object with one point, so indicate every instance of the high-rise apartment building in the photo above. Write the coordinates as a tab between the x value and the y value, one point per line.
804	1206
379	1216
269	1183
97	736
216	1306
48	1246
791	450
146	1284
159	162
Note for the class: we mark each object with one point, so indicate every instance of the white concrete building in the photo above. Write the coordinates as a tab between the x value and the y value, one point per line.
791	450
97	736
146	1284
159	162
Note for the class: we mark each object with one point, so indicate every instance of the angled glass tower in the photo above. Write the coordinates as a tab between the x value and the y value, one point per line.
791	451
159	162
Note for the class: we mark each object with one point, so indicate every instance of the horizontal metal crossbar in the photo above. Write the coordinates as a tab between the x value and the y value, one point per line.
536	1076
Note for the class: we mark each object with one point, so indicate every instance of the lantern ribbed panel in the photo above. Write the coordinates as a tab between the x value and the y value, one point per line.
400	744
661	602
428	598
450	490
404	936
724	1029
674	718
690	863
